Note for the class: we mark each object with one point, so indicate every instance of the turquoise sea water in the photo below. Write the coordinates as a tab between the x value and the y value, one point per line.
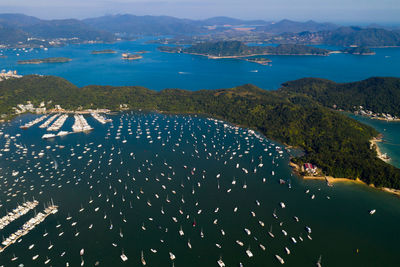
194	169
140	159
162	70
391	137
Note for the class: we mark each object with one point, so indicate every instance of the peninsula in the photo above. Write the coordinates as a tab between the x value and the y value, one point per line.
45	60
237	49
338	145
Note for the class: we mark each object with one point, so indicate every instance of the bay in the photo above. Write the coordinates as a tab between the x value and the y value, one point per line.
197	158
157	70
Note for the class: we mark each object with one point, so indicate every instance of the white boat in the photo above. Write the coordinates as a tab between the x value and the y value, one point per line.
249	253
279	259
372	212
172	256
48	136
123	256
220	262
62	133
282	205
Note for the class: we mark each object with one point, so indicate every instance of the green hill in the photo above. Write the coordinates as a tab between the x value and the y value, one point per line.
380	95
337	144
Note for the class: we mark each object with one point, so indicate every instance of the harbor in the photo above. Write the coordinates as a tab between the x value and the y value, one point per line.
163	190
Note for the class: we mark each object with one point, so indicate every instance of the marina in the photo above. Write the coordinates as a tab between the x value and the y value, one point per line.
150	189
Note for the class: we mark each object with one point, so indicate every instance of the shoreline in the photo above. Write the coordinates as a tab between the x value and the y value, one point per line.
332	180
374	142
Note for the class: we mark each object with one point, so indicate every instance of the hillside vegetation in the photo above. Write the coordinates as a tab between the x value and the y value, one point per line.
334	142
380	95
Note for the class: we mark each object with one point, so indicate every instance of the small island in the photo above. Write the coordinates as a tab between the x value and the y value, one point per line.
105	51
259	60
128	56
359	50
45	60
237	49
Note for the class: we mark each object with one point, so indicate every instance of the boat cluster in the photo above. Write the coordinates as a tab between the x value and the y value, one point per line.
58	123
28	226
17	212
31	123
81	124
159	188
100	118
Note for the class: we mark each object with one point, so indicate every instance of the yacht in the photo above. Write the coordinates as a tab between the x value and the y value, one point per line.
279	259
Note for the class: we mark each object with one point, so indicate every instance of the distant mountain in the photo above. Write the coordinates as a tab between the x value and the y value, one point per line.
69	28
346	36
145	25
219	21
10	35
17	28
296	27
18	20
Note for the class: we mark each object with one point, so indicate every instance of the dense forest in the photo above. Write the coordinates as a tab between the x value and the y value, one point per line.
380	95
237	48
334	142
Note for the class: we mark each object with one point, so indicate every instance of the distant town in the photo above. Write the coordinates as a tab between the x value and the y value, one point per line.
4	75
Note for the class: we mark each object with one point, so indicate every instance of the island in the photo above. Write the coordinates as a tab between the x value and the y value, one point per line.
128	56
45	60
105	51
237	49
259	60
296	115
359	50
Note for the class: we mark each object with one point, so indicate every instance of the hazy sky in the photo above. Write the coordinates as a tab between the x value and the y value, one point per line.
347	11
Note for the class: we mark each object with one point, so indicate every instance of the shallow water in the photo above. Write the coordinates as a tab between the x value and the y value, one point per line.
159	148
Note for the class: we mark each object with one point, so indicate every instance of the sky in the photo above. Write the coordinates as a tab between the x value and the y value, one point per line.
344	11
